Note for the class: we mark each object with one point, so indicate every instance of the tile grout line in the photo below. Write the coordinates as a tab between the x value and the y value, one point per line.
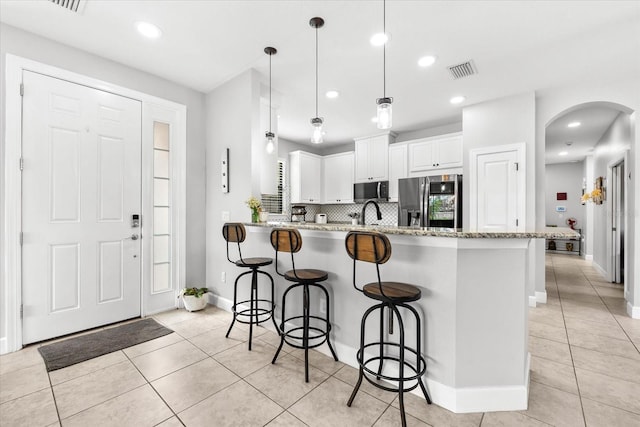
575	374
154	389
55	402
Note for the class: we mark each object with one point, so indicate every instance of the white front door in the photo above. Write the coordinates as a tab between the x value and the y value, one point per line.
497	191
81	185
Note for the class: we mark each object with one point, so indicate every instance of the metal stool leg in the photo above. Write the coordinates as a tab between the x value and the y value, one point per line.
327	308
273	298
305	329
235	302
252	304
282	320
419	351
360	354
403	417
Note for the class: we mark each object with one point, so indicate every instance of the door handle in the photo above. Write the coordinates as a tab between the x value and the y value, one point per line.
133	237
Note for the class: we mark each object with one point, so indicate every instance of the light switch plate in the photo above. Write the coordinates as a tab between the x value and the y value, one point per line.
225	215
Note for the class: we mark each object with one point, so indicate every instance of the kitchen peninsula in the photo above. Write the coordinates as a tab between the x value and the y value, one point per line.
474	303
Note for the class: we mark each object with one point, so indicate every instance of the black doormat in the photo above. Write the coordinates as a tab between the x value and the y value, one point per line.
75	350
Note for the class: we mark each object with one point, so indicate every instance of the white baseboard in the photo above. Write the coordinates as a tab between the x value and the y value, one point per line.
532	301
460	400
632	311
600	270
3	345
541	297
588	257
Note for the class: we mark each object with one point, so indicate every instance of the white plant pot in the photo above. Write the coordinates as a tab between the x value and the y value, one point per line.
192	303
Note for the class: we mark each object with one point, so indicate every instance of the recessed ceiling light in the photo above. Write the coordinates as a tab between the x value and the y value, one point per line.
332	94
426	61
457	99
563	153
574	124
148	30
379	39
374	119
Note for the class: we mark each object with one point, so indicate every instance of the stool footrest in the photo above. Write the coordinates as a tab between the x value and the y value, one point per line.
291	332
417	373
255	313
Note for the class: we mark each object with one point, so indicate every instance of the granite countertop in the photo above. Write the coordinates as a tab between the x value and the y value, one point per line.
546	233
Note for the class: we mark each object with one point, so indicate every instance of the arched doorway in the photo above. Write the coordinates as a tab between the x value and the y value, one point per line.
587	150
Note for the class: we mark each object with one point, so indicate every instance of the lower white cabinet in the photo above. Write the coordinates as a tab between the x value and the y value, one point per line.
337	171
305	180
397	168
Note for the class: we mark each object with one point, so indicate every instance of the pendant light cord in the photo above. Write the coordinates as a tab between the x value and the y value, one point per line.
384	49
316	71
270	110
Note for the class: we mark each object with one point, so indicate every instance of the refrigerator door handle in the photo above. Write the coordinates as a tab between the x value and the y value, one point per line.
378	189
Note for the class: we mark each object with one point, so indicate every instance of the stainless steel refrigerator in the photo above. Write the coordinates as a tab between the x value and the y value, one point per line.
431	201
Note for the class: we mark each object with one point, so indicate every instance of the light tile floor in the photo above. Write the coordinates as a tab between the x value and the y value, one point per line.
585	371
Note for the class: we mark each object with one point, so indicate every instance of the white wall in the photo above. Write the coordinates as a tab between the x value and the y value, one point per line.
611	146
28	45
623	91
499	122
229	111
564	178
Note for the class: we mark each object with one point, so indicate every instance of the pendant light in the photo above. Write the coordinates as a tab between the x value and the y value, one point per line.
384	111
270	135
316	122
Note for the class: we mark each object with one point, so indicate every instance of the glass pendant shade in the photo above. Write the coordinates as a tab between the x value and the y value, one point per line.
270	145
384	113
316	125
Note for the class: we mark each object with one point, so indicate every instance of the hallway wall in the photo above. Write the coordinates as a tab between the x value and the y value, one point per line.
613	144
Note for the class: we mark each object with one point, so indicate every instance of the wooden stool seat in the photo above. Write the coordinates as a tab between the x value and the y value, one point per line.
393	291
254	262
306	275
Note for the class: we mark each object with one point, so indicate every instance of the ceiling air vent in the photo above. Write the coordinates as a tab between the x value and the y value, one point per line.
465	69
72	5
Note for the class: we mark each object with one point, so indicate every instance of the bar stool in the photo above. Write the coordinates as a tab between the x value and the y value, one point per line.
260	310
374	247
290	240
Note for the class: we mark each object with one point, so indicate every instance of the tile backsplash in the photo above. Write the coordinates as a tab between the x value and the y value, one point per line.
340	213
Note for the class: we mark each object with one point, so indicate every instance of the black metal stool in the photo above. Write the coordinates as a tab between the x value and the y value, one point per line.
255	314
290	240
375	248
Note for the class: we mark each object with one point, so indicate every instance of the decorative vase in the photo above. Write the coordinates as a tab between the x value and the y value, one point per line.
255	215
193	303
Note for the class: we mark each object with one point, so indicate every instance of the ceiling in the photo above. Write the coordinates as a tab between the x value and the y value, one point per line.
516	46
579	141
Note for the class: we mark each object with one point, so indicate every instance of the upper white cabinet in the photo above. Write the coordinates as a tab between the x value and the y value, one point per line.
397	168
372	158
435	153
305	179
338	177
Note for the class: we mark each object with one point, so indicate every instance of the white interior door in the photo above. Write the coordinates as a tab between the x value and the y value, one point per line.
81	185
497	191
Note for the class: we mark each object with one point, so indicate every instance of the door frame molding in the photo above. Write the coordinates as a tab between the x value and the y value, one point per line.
622	158
521	204
11	279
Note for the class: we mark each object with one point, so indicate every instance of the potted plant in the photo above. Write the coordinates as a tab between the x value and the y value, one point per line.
194	299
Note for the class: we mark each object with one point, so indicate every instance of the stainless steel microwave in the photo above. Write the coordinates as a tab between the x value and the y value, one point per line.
378	190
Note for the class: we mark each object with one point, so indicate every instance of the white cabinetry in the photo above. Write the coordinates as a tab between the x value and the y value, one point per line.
372	158
338	178
397	168
435	153
305	178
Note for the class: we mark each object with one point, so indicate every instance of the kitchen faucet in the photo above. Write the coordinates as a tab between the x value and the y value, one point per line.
364	208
